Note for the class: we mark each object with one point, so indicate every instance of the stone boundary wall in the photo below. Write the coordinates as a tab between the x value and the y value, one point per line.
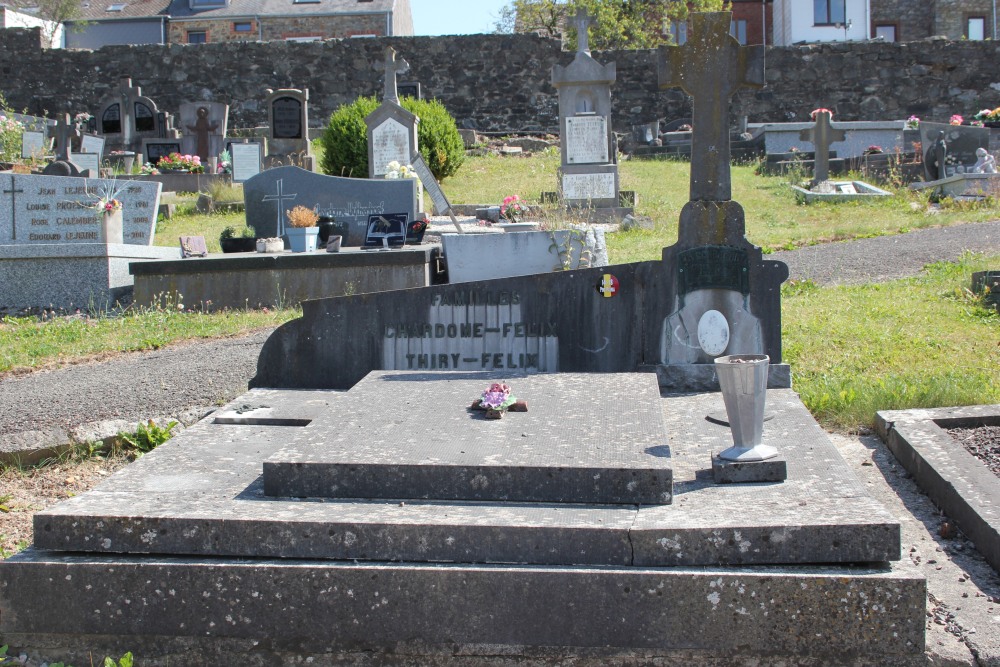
499	83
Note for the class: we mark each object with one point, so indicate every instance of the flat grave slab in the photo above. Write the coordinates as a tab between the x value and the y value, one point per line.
576	444
202	494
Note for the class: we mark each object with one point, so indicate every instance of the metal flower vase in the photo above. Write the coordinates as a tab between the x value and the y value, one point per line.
743	380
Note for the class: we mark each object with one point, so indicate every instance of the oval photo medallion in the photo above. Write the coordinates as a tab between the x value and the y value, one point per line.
713	333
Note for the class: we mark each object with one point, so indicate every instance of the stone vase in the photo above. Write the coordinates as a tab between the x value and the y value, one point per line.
743	380
112	230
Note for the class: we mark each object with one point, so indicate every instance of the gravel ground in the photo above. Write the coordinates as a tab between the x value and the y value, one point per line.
983	443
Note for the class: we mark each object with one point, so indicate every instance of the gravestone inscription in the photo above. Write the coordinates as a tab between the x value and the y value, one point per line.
287	114
57	209
587	140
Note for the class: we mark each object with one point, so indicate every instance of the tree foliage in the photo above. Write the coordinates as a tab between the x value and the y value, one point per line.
619	24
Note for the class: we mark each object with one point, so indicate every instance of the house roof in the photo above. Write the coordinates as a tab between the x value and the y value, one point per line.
109	10
98	10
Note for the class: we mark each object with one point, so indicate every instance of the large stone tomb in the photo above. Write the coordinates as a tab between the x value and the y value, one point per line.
183	553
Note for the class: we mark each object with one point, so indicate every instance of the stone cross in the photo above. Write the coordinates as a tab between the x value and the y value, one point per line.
13	192
392	68
821	135
281	197
66	131
583	21
710	68
128	95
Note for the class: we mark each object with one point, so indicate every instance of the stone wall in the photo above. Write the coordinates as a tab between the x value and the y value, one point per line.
499	83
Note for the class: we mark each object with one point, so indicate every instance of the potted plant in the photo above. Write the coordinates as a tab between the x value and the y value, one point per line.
238	238
175	162
302	230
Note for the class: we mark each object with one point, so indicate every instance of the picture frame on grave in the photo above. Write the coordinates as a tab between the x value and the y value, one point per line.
386	230
193	246
85	161
154	149
247	159
33	144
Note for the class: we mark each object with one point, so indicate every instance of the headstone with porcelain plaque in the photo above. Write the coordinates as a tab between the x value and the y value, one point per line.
589	171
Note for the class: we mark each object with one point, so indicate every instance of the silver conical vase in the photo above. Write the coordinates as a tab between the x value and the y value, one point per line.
743	380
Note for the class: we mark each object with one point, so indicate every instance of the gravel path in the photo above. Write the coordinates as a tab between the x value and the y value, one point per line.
196	376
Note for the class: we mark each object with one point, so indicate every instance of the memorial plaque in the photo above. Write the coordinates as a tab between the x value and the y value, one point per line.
153	149
384	230
111	119
92	143
390	142
441	203
145	119
85	161
588	186
246	160
57	209
586	140
32	144
287	115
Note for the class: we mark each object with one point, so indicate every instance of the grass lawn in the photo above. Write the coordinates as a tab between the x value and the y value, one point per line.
919	342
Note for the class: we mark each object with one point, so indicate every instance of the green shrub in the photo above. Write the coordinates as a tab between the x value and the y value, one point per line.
345	141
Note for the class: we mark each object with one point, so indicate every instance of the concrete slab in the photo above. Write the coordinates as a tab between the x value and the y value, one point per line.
743	472
959	483
458	613
201	493
576	444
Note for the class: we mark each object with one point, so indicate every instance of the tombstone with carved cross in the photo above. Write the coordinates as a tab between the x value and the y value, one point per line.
821	135
288	129
589	171
392	130
724	297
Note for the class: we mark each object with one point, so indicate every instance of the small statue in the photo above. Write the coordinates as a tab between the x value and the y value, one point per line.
937	156
986	163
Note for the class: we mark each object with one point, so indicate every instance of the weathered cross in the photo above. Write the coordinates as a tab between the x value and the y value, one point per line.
710	68
392	68
13	206
66	131
821	135
583	21
281	198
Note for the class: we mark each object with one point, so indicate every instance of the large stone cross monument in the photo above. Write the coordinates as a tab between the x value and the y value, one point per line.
725	298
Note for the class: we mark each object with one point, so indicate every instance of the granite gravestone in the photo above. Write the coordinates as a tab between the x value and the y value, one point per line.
272	192
34	144
55	209
951	149
203	125
288	129
127	117
821	136
589	172
715	270
392	130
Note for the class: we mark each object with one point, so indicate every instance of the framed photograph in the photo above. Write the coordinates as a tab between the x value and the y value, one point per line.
386	230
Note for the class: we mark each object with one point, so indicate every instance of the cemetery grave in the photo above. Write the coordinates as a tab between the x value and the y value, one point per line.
302	520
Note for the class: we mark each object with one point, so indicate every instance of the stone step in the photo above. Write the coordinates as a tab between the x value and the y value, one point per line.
402	613
201	493
580	442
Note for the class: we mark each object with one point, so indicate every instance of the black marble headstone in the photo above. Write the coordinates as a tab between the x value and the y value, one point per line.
287	114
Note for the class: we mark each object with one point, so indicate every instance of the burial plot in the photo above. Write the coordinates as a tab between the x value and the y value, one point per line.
272	192
589	171
51	246
951	149
288	129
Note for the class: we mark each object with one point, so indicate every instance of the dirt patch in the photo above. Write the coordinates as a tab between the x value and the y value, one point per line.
26	491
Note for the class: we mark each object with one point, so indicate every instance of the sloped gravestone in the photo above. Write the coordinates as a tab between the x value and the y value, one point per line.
270	193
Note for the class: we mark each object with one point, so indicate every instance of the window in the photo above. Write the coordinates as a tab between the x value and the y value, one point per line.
116	7
306	2
976	28
679	33
243	26
197	37
738	29
308	38
829	12
886	33
203	4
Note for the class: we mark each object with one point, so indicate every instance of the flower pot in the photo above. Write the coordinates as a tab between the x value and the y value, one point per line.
333	243
238	244
111	227
302	239
270	245
743	380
